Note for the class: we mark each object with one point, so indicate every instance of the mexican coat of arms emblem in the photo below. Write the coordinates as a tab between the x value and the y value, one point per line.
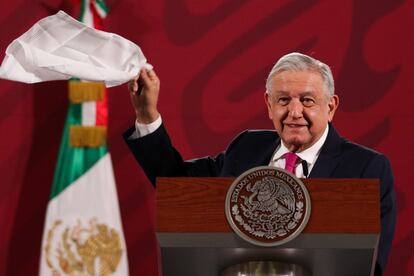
267	206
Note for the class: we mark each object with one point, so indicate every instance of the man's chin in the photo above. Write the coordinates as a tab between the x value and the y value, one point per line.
295	143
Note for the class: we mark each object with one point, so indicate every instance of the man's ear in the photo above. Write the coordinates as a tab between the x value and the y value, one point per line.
332	106
267	99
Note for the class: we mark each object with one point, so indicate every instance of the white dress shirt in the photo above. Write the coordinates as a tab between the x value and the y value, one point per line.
310	155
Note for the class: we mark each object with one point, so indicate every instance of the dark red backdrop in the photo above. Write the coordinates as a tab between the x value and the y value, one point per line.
212	57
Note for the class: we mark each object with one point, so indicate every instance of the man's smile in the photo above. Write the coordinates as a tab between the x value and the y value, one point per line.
294	125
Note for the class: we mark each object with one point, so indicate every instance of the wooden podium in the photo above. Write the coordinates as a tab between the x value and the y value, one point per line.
340	238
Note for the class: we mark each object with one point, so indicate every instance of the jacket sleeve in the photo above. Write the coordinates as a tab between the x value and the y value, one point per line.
380	167
158	158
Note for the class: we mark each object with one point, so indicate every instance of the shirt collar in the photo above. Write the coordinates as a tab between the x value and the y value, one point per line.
310	154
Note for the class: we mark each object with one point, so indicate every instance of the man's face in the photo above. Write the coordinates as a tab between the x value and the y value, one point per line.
299	108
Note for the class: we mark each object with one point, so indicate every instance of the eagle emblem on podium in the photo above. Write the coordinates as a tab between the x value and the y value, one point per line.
267	206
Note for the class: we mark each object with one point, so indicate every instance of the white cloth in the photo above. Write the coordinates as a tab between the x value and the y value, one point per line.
59	47
310	155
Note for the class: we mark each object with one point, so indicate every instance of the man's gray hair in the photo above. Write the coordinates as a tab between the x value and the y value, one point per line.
301	62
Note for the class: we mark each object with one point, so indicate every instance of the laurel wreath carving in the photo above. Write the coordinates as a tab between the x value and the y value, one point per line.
269	226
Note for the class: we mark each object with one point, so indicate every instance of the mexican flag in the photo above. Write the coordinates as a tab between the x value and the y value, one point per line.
83	231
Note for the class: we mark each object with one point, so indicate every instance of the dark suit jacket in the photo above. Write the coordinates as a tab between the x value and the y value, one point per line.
339	158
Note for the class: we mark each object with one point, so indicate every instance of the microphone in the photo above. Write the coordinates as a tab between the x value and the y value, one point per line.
305	168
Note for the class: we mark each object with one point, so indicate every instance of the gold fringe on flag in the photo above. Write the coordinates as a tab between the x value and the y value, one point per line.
87	136
86	91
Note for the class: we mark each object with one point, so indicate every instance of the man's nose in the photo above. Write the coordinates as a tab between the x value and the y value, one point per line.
295	109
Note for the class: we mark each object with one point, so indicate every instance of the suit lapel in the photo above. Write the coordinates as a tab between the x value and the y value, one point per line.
264	160
326	163
329	157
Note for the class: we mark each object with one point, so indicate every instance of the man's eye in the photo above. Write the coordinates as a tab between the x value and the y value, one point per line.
308	101
283	101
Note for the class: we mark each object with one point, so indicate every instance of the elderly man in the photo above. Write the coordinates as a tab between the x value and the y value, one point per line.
301	103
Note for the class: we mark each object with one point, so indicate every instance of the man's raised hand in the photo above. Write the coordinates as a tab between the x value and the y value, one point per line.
144	90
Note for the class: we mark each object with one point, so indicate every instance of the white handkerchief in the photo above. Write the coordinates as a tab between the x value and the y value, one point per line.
59	47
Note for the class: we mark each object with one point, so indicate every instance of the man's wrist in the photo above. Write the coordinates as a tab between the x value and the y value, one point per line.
147	117
145	129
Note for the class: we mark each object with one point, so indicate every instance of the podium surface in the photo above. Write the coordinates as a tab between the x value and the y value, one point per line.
340	238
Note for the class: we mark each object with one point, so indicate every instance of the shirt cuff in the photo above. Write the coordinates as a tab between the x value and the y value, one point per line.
142	130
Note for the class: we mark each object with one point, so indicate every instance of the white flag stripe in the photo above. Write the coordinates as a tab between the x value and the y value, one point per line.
93	195
89	113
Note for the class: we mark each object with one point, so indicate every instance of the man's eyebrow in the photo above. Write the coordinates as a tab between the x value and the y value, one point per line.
282	92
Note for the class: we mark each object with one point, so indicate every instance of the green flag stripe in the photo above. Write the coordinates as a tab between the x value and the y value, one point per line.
82	11
73	162
102	5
